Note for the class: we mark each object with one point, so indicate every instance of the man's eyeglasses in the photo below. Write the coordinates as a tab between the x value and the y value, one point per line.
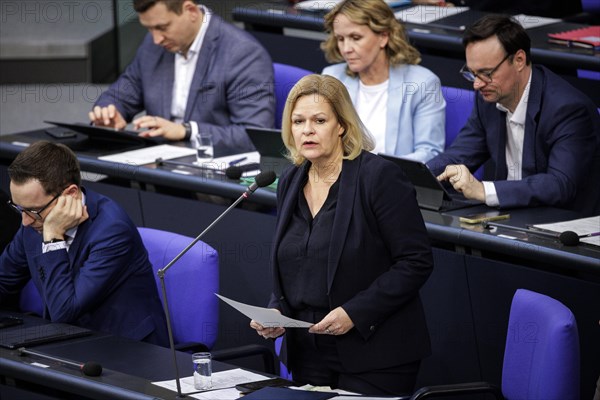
35	214
482	76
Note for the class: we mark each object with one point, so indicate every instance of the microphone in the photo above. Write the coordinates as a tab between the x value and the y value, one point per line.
89	368
261	180
235	171
568	238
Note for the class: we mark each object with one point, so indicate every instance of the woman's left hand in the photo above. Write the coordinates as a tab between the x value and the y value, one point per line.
336	323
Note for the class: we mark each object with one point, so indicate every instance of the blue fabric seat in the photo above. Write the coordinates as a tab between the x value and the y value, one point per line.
459	104
285	78
541	357
190	283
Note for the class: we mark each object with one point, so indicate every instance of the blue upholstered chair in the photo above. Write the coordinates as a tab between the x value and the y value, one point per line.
30	300
285	78
459	104
541	358
191	284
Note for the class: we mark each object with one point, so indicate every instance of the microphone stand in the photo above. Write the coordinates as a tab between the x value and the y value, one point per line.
161	272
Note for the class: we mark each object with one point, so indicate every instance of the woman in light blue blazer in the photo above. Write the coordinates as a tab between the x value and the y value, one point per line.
400	103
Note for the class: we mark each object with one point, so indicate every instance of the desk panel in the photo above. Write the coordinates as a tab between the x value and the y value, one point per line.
492	285
293	37
476	272
447	304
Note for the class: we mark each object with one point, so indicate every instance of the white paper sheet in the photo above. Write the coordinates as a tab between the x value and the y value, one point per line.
226	380
326	5
533	21
582	226
265	316
148	155
424	14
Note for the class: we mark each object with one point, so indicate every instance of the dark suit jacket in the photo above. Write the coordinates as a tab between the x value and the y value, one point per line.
232	87
104	282
561	148
10	221
379	258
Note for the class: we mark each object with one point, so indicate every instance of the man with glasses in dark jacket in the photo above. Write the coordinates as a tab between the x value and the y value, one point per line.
541	134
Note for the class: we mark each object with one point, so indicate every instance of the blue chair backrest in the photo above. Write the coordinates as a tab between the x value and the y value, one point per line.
30	300
541	359
191	284
590	6
459	104
285	77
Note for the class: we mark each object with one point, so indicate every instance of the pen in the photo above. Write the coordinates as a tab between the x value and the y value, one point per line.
239	160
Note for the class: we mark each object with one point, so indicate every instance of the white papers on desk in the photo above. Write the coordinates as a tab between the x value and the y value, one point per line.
582	226
326	5
423	14
148	155
533	21
265	316
223	384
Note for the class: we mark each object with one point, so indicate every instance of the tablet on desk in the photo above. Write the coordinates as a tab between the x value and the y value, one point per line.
100	133
431	194
19	336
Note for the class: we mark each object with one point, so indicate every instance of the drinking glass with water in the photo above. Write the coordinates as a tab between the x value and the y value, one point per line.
204	148
202	371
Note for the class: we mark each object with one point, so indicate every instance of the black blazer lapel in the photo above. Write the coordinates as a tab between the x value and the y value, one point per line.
343	215
534	104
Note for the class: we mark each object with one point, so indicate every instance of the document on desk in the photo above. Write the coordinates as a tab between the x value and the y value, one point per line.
423	14
223	384
533	21
583	226
148	155
265	316
326	5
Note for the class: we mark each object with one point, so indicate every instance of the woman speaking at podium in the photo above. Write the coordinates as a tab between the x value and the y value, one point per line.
350	251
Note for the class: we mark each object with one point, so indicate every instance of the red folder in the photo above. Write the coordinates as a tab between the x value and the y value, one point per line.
588	37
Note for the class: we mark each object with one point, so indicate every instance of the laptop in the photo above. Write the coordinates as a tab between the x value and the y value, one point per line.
104	134
431	194
270	146
13	338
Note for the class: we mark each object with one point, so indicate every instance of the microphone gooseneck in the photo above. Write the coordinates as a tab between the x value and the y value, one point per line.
567	238
261	180
89	368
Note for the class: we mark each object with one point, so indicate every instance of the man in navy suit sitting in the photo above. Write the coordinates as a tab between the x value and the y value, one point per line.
80	249
541	134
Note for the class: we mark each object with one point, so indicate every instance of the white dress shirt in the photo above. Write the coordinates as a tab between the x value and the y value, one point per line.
185	67
515	136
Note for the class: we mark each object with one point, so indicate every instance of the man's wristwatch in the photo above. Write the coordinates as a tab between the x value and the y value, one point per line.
54	240
188	130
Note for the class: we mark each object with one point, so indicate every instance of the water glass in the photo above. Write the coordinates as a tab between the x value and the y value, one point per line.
202	371
204	148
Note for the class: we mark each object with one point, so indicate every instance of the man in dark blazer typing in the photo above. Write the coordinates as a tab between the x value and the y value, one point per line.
541	135
193	73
